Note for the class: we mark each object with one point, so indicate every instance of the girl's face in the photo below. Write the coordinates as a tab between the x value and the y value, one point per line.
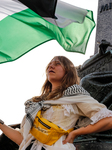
55	71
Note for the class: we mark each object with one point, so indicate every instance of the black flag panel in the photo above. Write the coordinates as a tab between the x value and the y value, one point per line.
44	8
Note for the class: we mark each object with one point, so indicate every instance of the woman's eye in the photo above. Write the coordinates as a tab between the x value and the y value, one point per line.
57	63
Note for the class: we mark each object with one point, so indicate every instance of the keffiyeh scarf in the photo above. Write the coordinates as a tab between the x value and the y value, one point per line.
31	109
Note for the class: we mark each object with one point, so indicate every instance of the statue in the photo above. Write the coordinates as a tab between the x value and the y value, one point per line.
101	51
103	46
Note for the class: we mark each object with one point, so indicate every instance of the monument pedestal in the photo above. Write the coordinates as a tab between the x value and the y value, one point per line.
97	63
93	146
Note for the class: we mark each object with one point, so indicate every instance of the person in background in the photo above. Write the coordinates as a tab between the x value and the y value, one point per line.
69	101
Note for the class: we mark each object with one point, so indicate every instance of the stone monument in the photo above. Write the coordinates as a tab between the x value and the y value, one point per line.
96	72
96	76
102	59
104	22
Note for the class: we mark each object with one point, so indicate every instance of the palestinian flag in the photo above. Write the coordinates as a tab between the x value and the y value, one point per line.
25	24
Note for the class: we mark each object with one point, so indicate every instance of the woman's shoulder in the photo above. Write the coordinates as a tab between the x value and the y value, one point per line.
74	90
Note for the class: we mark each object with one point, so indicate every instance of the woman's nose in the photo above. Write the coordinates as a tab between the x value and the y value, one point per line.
51	65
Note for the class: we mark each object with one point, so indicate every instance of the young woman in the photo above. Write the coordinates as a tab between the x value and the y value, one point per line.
67	102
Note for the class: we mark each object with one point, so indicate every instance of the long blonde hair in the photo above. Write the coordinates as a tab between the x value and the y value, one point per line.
70	78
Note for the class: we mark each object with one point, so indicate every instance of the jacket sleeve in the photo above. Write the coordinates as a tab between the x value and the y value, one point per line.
92	109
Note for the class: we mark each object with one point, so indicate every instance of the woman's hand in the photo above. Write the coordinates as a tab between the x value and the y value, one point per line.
70	138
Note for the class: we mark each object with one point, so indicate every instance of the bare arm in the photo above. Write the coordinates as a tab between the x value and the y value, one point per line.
12	134
102	125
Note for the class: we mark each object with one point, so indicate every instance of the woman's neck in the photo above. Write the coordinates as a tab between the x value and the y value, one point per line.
55	86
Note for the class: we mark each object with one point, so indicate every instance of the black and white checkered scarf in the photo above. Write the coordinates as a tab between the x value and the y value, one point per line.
31	109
